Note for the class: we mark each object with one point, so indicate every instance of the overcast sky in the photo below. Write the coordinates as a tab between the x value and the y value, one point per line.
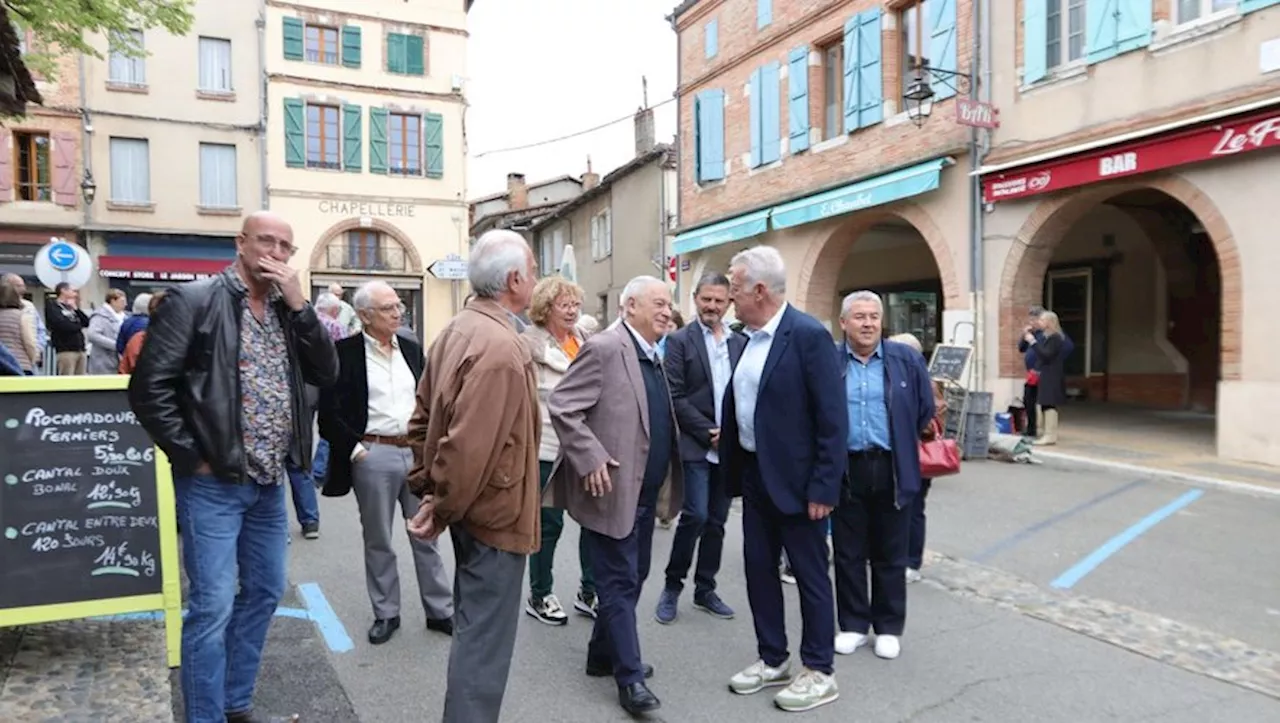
540	69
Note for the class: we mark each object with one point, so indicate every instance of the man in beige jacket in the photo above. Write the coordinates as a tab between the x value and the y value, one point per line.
475	435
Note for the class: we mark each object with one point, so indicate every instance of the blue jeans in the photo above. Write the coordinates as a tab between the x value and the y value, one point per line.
305	504
320	463
702	518
233	536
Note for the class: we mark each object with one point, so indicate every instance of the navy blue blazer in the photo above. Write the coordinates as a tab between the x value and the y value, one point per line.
909	394
688	370
801	420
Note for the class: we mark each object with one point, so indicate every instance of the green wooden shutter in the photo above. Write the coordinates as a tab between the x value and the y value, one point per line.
415	54
395	53
295	133
293	45
433	135
351	46
377	140
351	138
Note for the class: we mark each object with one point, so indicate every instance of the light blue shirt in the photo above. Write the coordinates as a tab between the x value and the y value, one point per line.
864	384
746	379
721	370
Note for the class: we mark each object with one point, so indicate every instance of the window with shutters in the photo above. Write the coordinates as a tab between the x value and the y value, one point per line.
708	112
832	90
1188	11
215	65
322	45
914	41
406	54
863	80
324	147
218	176
601	235
130	171
33	176
928	39
404	144
126	63
1064	32
764	118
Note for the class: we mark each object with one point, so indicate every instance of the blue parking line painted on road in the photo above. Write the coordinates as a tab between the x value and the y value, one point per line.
1077	571
1048	522
157	615
331	628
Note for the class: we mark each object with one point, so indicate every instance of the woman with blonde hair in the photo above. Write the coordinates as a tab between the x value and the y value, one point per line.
554	340
1049	353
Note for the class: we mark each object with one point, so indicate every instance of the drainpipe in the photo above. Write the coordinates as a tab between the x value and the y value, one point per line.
979	90
86	142
262	104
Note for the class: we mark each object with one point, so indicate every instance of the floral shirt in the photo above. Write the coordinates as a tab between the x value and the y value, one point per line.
266	399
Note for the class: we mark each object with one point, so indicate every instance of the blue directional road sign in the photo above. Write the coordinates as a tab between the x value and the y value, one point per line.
62	257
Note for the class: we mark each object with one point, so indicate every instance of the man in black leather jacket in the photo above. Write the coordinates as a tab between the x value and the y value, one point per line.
219	386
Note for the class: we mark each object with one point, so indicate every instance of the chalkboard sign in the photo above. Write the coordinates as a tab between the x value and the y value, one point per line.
87	522
950	362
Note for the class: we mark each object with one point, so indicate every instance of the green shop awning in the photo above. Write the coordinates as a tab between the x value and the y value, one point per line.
877	191
734	229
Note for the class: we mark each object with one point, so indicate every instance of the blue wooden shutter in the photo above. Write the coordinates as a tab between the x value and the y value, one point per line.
1101	25
711	39
711	130
1035	40
771	113
433	135
756	122
351	138
942	47
1133	30
351	46
293	45
798	97
1249	6
415	55
377	140
851	76
870	80
295	133
764	13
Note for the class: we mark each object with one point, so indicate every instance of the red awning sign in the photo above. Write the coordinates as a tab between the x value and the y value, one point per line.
146	268
1192	145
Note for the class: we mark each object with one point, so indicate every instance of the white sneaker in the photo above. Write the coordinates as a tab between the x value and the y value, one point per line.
888	646
547	610
809	690
760	676
846	643
914	575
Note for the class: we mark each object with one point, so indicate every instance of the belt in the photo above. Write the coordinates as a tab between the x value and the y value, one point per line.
399	440
873	453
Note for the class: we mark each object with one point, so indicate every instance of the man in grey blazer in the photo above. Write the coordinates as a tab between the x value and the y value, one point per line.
613	414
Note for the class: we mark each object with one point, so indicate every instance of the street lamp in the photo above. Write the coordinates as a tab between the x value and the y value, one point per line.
919	96
88	189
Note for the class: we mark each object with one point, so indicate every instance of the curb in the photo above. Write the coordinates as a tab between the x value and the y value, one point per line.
1072	460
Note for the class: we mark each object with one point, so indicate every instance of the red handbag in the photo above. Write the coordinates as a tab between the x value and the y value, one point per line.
1033	377
939	457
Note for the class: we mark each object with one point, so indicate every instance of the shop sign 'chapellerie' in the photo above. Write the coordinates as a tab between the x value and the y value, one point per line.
1193	145
364	208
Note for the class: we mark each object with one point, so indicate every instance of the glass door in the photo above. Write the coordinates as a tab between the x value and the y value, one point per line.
1071	298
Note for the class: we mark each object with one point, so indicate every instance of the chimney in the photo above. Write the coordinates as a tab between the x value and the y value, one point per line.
517	192
644	131
590	179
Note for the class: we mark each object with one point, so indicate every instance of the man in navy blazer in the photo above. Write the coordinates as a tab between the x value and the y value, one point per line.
890	403
784	436
699	364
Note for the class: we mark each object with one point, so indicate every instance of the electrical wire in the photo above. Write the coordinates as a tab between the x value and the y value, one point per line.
549	141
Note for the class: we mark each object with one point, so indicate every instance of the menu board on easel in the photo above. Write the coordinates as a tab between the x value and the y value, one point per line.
86	505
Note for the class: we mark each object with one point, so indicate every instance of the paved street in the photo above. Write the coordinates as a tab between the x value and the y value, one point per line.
1189	601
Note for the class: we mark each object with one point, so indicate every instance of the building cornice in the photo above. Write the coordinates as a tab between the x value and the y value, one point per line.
363	88
283	5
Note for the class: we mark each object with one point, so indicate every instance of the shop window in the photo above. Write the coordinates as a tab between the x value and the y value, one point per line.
1064	31
832	90
321	45
323	140
32	174
125	64
918	313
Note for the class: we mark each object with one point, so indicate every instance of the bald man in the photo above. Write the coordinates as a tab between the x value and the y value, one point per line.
347	315
219	386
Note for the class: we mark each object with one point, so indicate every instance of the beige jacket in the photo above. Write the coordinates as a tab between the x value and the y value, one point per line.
551	363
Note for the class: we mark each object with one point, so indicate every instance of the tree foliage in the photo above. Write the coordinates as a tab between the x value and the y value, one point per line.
64	26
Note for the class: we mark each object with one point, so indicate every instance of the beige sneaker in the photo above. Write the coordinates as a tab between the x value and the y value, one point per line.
809	690
760	676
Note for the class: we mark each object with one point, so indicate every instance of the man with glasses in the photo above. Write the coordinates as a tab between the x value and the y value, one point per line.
365	418
219	386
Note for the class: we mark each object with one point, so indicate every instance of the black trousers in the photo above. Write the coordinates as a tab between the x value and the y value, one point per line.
1030	398
620	567
868	527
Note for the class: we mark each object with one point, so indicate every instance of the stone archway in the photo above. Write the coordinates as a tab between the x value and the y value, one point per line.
318	254
1022	280
820	271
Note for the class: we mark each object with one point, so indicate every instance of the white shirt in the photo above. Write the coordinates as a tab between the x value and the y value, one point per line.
721	370
746	378
649	350
392	391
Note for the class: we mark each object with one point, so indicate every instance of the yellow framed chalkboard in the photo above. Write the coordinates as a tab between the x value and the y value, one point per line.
87	510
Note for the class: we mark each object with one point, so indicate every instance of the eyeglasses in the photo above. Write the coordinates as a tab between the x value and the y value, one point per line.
388	308
568	305
269	242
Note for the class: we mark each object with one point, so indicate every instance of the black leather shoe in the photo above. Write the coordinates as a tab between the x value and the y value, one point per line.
382	630
637	698
443	625
604	670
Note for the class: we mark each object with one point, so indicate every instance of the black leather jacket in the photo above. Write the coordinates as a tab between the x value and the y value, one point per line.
185	389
